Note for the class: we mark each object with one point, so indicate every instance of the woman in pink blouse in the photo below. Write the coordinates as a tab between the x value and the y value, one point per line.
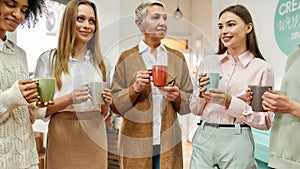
224	138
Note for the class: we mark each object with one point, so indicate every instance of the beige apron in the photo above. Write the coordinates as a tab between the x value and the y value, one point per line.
76	144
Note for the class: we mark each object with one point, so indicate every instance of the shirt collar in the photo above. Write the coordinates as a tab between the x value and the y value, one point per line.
244	58
1	44
86	58
144	47
6	43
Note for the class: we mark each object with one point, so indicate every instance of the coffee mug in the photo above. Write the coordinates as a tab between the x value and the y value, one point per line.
159	75
258	91
96	89
46	88
213	79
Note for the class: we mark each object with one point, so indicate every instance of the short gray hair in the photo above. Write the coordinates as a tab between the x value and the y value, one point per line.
141	10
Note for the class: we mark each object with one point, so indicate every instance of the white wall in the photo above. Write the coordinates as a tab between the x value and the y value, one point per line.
201	15
38	39
109	14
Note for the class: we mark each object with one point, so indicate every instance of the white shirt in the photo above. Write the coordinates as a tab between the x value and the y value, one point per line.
80	73
1	44
5	43
150	60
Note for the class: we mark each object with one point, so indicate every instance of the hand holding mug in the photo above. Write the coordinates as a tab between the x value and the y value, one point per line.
200	82
141	81
249	97
80	94
208	81
170	93
218	97
107	96
40	104
274	101
29	90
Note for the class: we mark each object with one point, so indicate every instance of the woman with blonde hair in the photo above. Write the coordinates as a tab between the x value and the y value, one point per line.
76	132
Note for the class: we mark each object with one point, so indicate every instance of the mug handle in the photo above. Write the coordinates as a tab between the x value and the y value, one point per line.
150	73
90	95
37	83
91	98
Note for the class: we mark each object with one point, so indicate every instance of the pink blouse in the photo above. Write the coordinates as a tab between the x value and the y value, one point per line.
237	74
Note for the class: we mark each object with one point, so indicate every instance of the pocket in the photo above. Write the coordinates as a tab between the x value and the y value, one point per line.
203	135
196	135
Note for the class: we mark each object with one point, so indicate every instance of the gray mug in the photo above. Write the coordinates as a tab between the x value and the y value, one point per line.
256	102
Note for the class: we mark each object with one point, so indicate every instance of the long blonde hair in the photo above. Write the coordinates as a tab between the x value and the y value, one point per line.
66	41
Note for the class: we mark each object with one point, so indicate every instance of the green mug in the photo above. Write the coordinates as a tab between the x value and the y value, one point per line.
46	88
213	79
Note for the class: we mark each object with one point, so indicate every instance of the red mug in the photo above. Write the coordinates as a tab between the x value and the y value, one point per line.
159	75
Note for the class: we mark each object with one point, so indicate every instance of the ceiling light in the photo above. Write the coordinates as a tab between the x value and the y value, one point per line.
177	14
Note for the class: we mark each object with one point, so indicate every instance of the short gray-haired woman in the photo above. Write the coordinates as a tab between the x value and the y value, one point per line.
150	135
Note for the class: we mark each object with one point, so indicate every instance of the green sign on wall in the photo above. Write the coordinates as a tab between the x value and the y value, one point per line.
287	25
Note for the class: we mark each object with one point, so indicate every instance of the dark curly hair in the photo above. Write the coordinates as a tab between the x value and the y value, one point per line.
36	9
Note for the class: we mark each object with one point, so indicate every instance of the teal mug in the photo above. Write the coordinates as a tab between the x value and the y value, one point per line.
213	78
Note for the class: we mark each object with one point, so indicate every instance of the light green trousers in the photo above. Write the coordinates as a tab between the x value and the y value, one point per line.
223	148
